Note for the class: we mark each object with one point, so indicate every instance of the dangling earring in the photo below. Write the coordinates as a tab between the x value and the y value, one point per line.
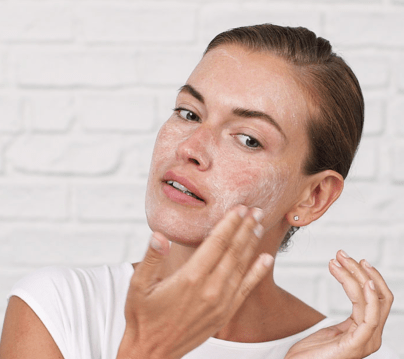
296	218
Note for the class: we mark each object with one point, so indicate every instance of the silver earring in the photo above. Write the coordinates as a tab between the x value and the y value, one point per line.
296	218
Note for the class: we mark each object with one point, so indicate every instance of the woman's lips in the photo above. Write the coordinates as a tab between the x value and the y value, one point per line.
178	195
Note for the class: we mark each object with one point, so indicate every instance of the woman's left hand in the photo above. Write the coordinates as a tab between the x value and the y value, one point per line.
361	334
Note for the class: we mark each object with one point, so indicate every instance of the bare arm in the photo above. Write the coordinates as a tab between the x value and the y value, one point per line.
24	335
168	318
197	300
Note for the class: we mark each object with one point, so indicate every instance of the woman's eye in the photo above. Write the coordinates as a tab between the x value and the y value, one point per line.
186	114
248	141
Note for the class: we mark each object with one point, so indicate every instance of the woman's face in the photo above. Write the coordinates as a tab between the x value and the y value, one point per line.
237	135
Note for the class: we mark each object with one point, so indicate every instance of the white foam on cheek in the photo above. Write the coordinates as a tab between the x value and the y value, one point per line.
232	180
250	182
166	142
270	190
160	217
225	199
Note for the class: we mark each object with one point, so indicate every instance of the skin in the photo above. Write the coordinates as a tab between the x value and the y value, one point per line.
229	172
216	279
210	152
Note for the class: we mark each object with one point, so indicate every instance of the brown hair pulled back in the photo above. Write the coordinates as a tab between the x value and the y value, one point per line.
335	98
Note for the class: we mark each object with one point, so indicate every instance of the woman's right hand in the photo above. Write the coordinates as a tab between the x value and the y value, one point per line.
361	334
170	317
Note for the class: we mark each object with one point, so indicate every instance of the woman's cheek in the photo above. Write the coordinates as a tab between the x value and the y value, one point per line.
261	186
167	141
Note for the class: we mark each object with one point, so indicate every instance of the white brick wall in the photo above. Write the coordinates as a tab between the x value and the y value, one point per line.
35	22
2	70
68	67
382	27
10	113
145	22
84	86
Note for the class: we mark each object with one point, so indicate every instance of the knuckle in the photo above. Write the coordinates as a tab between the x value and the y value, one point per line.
374	325
240	268
236	249
192	279
248	285
150	259
234	253
211	296
221	240
390	297
245	290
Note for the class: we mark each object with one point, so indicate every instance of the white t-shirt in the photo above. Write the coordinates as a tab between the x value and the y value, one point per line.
83	310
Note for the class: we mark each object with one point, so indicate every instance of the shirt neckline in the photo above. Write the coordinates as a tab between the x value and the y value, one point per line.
225	343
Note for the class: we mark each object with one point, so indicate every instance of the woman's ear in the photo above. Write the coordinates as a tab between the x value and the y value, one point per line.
322	191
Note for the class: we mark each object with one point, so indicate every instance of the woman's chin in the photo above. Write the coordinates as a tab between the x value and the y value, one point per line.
183	239
189	235
186	242
185	227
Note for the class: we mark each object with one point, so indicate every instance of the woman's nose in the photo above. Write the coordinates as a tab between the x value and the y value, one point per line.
197	148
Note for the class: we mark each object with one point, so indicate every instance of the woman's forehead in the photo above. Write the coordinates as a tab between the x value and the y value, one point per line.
237	57
240	77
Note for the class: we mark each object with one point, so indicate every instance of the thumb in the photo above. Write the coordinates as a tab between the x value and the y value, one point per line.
149	270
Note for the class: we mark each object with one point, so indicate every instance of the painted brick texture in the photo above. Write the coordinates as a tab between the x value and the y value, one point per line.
84	87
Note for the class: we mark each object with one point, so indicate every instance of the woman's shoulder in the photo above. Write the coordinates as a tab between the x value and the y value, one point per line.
71	291
80	307
68	281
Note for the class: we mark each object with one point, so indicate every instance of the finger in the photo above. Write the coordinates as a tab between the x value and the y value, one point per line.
352	289
385	295
250	250
259	269
353	267
148	272
212	249
363	336
344	326
237	258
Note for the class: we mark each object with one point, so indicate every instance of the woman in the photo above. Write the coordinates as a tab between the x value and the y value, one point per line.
261	139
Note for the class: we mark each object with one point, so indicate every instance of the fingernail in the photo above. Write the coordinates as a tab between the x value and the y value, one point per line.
155	244
367	264
242	211
343	253
336	263
258	214
266	259
259	231
372	285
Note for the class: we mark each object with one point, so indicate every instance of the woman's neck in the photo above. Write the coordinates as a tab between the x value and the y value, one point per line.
269	312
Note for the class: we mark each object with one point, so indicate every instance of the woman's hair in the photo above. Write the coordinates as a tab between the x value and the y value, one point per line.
336	106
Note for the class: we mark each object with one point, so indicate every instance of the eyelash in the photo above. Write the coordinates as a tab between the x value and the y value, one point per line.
249	138
178	110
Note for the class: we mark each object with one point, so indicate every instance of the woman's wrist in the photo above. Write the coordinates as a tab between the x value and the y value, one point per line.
129	349
132	349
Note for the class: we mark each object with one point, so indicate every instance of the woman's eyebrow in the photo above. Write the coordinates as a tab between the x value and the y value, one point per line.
241	112
245	113
189	89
